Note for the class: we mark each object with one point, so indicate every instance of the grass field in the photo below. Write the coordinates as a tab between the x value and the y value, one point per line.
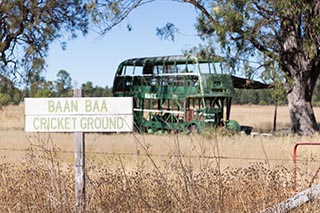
169	172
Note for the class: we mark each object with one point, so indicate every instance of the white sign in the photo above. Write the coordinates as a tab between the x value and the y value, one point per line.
79	114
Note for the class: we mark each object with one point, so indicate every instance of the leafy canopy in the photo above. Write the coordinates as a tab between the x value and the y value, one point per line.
27	28
267	30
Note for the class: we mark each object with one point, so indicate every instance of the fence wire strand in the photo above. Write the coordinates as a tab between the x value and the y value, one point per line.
164	155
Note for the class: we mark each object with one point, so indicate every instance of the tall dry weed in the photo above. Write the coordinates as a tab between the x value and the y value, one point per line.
45	184
192	176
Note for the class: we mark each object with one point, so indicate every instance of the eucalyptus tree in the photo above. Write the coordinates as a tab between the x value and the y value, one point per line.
63	84
28	27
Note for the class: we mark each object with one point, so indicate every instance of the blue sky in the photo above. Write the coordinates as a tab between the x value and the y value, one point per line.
95	58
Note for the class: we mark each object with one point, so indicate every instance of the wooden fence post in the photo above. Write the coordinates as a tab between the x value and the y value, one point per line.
79	154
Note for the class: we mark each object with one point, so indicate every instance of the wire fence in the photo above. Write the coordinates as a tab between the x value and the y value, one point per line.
168	155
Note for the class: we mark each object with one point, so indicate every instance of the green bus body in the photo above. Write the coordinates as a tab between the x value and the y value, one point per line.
180	93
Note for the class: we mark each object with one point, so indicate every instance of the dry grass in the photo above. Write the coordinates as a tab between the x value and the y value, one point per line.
261	117
153	173
44	181
41	187
11	118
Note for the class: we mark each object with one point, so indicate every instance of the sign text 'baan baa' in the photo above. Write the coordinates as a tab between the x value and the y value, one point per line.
78	114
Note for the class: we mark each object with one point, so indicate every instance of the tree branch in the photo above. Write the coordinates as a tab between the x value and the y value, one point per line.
203	10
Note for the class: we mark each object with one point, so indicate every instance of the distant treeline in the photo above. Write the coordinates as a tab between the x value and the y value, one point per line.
259	97
37	86
269	97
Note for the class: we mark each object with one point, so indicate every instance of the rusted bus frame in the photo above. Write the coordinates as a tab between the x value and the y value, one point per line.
170	79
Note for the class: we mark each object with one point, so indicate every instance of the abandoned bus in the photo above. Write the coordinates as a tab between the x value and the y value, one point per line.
180	93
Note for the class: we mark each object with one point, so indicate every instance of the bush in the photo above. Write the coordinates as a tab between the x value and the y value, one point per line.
5	99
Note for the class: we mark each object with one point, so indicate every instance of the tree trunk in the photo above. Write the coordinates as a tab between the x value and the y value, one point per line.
302	117
302	71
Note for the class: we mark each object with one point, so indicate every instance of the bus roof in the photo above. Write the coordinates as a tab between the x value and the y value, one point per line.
174	59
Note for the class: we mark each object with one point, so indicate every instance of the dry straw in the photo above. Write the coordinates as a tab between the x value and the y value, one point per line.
44	182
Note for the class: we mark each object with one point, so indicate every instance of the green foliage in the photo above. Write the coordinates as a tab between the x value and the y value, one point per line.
107	14
261	32
63	84
259	97
17	98
9	94
97	91
4	99
29	27
37	86
42	93
61	87
88	89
